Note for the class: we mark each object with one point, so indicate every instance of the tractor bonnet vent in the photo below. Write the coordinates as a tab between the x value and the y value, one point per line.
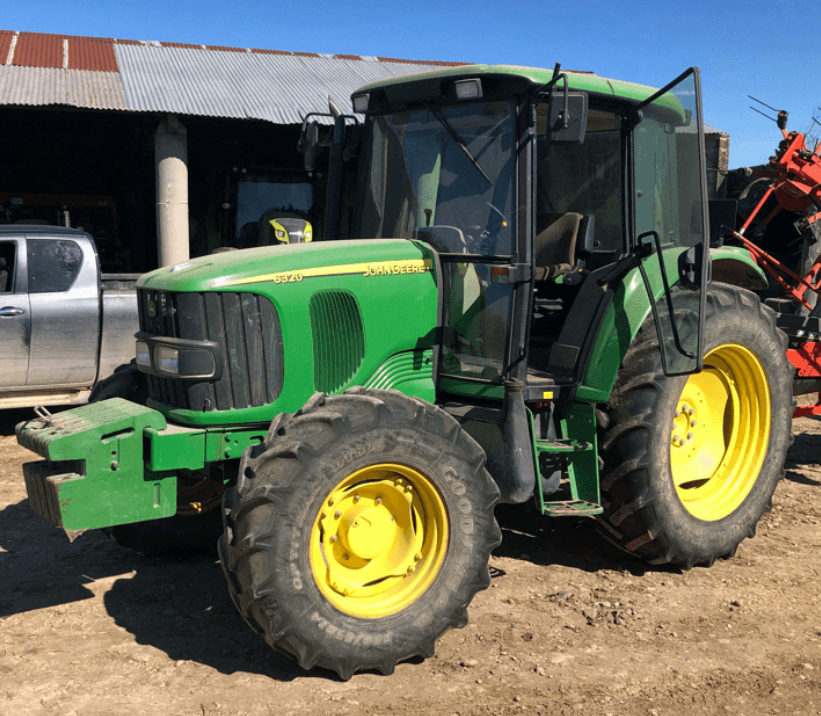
338	338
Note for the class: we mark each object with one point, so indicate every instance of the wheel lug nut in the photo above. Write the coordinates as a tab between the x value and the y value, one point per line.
356	498
417	556
692	423
334	538
689	437
675	439
378	500
346	556
338	514
678	412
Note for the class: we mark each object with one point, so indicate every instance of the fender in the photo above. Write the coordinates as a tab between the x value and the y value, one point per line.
629	308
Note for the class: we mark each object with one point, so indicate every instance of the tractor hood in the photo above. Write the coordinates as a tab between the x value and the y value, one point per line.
292	264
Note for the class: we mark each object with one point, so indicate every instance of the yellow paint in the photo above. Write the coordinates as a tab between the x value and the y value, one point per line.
379	540
371	268
720	432
547	395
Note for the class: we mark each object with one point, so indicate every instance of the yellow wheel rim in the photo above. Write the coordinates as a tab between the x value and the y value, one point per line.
720	432
379	540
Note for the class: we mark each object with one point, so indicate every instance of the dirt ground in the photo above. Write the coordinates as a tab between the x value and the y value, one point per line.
570	625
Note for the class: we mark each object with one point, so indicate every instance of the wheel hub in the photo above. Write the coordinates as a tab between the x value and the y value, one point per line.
720	431
379	540
368	531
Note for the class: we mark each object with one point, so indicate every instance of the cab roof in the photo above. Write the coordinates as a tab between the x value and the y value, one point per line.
532	78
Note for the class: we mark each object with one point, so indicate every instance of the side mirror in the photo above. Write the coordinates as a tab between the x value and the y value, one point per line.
309	144
564	119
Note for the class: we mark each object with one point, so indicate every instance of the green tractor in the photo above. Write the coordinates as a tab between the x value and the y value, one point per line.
533	315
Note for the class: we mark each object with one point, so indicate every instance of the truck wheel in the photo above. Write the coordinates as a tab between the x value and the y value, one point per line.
125	382
691	463
359	531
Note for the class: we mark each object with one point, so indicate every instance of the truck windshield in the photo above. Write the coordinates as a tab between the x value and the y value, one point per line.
443	175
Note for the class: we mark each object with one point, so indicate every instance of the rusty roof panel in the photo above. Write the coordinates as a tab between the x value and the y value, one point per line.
37	50
271	52
38	86
243	85
175	44
87	53
5	45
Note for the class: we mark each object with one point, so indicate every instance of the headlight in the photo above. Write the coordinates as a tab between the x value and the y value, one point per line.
360	103
143	354
167	359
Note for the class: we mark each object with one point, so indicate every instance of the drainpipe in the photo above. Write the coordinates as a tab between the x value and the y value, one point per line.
171	158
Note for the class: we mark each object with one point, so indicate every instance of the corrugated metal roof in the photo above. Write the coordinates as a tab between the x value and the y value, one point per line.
38	86
91	53
37	50
5	44
273	87
105	73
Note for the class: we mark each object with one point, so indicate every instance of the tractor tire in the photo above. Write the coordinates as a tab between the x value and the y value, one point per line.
691	462
359	531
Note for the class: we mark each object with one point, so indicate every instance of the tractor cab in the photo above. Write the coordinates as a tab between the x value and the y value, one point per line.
560	209
539	192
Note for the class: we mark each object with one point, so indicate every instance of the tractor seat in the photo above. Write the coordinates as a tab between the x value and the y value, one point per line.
556	251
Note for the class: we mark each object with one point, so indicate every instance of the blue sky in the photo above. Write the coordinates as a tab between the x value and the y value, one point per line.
768	49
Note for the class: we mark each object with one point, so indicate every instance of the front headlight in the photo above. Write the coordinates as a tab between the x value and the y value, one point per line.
167	360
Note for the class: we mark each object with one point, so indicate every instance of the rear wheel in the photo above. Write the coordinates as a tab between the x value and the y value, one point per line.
691	463
359	531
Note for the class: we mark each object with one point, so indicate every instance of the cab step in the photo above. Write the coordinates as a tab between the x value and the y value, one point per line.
571	508
563	446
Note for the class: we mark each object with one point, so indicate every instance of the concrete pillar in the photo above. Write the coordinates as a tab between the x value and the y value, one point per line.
171	158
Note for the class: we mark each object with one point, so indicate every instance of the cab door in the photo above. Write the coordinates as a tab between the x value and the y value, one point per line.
670	217
15	314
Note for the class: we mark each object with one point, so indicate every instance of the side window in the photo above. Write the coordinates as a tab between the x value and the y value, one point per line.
7	252
53	264
586	179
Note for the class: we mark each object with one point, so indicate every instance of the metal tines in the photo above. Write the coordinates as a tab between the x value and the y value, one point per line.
44	415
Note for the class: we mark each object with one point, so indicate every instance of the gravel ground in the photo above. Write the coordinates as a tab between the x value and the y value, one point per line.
569	625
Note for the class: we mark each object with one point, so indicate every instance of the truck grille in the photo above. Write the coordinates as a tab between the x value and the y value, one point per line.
245	325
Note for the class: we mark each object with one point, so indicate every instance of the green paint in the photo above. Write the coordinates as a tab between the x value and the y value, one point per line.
536	77
96	476
370	273
409	372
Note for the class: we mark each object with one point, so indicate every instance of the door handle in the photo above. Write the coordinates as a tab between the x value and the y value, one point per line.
11	311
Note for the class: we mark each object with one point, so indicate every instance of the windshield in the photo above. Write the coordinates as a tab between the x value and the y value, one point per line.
445	176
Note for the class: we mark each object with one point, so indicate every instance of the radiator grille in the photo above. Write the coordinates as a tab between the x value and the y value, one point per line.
338	338
245	325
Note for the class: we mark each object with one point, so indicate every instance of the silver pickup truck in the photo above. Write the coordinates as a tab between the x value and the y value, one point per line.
63	326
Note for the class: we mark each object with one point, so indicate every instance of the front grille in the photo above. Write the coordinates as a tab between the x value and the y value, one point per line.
245	325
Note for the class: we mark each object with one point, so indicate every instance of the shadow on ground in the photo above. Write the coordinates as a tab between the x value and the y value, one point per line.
569	541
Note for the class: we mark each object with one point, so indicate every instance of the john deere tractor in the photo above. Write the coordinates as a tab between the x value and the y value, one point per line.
532	315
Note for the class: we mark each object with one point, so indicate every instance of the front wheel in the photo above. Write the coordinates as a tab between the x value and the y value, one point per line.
691	463
359	531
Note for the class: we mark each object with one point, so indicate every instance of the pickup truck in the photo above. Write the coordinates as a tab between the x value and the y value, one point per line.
63	326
